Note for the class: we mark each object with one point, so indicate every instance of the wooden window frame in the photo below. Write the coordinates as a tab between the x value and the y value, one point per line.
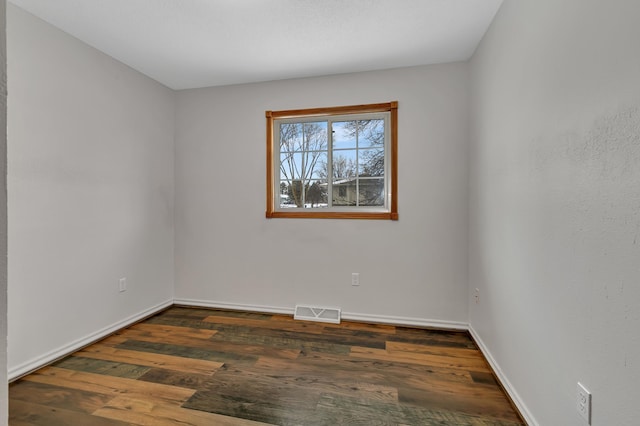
391	214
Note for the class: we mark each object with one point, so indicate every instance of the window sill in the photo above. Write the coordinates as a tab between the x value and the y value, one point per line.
332	215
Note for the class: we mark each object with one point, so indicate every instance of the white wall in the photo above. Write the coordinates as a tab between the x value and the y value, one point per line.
555	205
3	217
90	184
227	252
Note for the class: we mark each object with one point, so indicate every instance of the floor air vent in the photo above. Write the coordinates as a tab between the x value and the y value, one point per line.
315	313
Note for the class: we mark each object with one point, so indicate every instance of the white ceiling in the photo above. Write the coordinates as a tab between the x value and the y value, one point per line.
199	43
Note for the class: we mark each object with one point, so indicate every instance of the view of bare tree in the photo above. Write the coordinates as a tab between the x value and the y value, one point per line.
370	134
304	166
301	147
343	168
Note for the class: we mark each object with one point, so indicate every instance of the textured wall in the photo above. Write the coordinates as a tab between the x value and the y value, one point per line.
3	216
90	190
226	251
555	205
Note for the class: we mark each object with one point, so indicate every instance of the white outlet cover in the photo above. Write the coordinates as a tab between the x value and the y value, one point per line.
583	402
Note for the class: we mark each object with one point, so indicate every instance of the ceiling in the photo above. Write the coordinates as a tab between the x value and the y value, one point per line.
198	43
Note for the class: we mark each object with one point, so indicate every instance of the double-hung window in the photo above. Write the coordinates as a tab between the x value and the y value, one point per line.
338	162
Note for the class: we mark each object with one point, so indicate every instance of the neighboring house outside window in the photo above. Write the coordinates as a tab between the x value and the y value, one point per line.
338	162
351	192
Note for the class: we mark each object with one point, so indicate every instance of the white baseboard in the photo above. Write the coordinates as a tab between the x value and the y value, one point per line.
349	316
513	394
39	362
405	321
233	306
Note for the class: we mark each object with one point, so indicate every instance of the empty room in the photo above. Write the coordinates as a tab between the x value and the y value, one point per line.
336	212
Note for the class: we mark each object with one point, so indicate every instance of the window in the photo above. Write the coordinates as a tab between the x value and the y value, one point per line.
338	162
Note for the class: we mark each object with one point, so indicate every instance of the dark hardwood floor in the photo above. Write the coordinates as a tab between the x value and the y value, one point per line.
189	366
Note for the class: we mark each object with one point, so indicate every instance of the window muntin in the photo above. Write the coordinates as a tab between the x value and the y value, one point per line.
333	162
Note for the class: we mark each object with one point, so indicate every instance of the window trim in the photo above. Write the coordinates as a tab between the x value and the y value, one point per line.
392	214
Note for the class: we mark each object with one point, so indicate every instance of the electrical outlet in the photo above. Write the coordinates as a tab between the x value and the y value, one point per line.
476	296
584	403
122	285
355	279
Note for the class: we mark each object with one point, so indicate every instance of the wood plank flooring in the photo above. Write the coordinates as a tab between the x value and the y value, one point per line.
188	366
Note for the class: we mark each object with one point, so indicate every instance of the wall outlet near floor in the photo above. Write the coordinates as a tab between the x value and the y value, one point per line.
584	403
355	279
476	296
122	285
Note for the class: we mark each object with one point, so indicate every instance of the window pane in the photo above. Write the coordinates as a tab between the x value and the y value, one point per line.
290	137
371	162
371	192
316	196
344	192
318	165
292	165
286	200
344	164
344	135
314	136
300	137
291	185
305	165
370	133
295	197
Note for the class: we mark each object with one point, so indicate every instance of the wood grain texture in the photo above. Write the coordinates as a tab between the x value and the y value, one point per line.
193	366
